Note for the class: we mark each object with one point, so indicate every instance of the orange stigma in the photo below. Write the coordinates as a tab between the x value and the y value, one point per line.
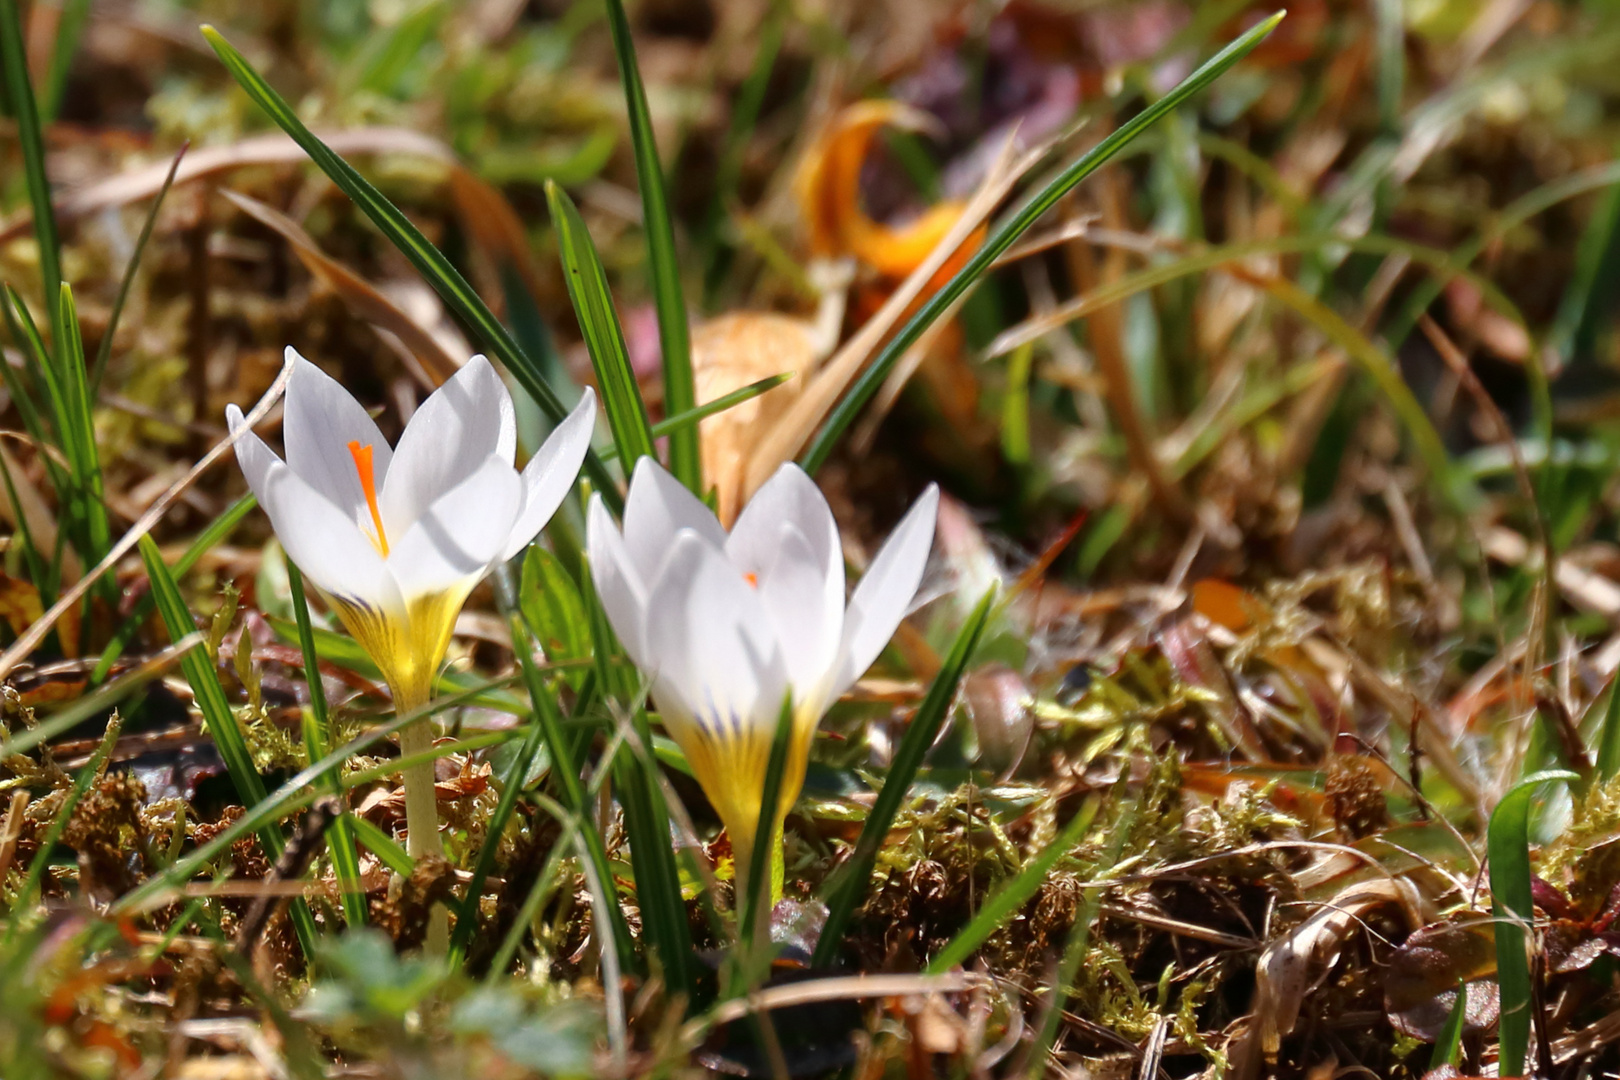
368	484
752	579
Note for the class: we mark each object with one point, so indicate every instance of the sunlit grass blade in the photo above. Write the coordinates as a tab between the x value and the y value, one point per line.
80	428
42	370
318	736
14	70
855	399
1013	894
850	882
217	530
83	708
690	419
301	790
1608	738
388	850
38	572
429	261
104	350
59	823
756	891
565	772
511	788
1507	843
673	333
750	98
652	857
1076	946
604	337
219	720
69	29
1448	1043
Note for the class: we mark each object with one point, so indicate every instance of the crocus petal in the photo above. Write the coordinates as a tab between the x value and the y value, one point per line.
789	496
454	542
655	509
321	420
462	424
807	627
886	590
618	582
551	472
322	540
709	639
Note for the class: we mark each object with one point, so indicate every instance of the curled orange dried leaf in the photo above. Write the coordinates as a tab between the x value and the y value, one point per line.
828	187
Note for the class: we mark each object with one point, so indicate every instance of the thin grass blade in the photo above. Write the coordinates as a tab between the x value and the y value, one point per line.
674	336
429	261
692	417
565	774
849	407
846	890
69	29
219	720
604	338
104	350
340	838
756	891
1608	740
1507	842
14	71
59	823
100	700
1013	894
217	530
652	857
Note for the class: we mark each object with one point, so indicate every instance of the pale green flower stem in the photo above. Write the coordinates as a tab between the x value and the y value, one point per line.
422	809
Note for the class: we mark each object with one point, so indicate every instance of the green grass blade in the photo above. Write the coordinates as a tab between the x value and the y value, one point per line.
300	791
744	114
318	733
853	401
429	261
545	886
1507	843
756	892
565	774
674	336
511	787
1608	740
1013	894
59	823
692	417
219	720
69	29
1448	1043
599	323
846	890
388	850
1077	945
14	72
217	530
652	857
42	369
83	708
38	572
104	350
81	428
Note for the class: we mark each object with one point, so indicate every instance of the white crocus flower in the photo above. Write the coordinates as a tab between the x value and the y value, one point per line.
397	538
727	627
